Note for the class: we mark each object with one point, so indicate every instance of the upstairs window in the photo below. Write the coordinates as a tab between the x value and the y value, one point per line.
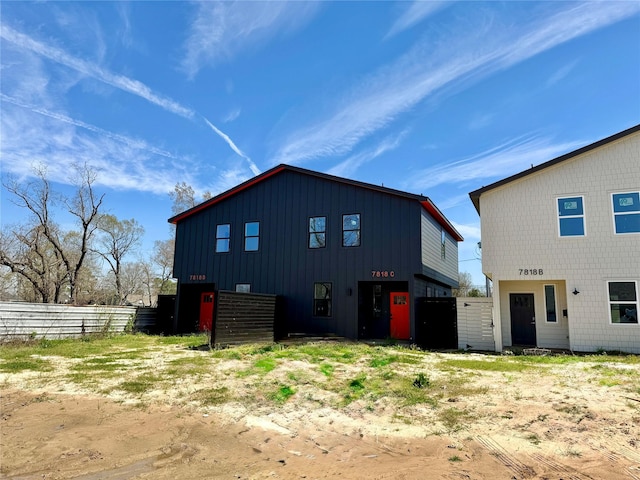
626	212
251	236
322	299
571	216
223	238
623	302
351	230
443	244
317	232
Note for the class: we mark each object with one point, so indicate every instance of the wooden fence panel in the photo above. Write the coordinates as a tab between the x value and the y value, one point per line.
243	318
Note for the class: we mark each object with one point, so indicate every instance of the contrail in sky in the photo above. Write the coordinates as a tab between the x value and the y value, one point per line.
225	137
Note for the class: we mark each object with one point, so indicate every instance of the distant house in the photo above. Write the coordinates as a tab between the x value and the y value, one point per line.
561	244
346	258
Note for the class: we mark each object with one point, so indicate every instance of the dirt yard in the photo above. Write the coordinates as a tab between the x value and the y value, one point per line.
563	424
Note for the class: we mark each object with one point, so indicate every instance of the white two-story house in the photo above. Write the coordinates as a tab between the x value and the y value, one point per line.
561	244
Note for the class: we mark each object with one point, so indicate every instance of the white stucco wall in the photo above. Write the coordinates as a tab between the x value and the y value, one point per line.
519	223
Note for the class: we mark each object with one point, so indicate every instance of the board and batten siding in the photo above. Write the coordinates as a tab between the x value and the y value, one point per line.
283	203
520	231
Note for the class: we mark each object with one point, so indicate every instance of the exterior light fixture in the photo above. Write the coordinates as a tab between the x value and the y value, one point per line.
575	291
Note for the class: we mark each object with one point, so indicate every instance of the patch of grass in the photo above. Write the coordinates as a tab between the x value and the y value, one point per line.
334	352
87	379
261	366
609	382
265	365
382	361
282	394
357	384
227	354
187	341
498	365
190	361
140	384
21	363
533	438
327	369
355	389
455	458
453	419
421	381
212	396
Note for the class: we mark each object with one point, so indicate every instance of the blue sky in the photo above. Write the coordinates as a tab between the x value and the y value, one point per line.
437	98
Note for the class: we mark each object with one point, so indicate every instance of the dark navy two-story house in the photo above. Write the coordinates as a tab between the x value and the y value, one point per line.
345	258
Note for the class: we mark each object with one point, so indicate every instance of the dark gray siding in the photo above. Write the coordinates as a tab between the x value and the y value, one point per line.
284	265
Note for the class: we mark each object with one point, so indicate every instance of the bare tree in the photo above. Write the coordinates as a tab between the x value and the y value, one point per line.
183	197
41	236
163	258
464	285
148	283
132	280
116	240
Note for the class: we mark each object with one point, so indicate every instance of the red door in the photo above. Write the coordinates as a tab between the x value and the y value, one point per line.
400	328
206	311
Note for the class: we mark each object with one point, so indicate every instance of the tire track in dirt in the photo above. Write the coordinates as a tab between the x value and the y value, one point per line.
517	467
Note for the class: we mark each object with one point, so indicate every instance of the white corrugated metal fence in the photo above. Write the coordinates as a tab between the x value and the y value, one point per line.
20	320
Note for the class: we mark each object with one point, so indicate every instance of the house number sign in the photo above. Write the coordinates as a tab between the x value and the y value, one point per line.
531	271
197	277
382	274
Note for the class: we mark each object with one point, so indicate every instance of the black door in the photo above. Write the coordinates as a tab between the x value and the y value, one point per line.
523	320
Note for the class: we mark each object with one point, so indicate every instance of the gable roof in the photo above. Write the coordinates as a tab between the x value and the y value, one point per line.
426	203
475	195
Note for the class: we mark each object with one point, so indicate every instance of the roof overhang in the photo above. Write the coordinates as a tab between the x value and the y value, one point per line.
430	207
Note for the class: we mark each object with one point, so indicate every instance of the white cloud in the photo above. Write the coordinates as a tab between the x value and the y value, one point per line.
349	166
93	70
504	160
424	71
31	87
35	136
469	232
561	73
480	121
225	137
415	13
222	29
232	115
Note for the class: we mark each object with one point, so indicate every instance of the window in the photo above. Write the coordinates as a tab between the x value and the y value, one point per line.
317	232
322	299
626	212
623	302
251	236
243	287
223	238
443	243
571	216
351	230
550	303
